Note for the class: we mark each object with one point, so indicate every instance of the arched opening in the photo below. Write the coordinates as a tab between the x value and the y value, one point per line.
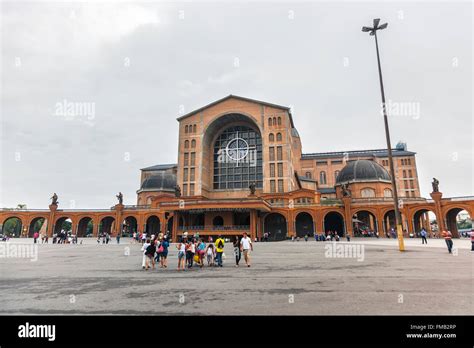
217	221
85	228
275	226
304	224
322	178
106	225
198	221
278	137
459	222
12	227
367	192
153	225
426	219
35	226
390	226
129	226
63	225
364	224
334	222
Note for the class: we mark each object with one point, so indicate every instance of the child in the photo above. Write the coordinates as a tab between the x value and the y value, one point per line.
210	254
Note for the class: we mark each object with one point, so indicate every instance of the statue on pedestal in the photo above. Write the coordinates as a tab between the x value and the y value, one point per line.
120	197
252	188
177	191
435	185
346	192
54	199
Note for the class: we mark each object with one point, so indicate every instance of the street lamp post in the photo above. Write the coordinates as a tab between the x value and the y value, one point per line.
373	32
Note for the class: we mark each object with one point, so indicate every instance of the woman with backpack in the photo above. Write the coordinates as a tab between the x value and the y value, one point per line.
210	254
163	251
150	255
200	250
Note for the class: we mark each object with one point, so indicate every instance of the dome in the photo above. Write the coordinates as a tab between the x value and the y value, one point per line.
362	170
160	181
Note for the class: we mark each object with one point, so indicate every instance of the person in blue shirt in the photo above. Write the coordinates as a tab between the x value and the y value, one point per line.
423	236
164	245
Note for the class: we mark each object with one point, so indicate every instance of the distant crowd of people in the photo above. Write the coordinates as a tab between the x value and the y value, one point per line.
192	250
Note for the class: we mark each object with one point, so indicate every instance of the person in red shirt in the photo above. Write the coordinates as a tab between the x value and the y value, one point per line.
448	239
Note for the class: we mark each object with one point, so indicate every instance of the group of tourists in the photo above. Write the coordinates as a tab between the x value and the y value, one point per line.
194	251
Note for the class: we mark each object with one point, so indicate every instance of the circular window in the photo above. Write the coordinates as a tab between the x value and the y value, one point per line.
237	149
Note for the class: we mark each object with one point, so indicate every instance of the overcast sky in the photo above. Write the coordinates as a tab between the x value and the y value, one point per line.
136	66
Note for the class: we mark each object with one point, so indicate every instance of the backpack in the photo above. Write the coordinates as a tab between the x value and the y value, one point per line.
150	249
220	244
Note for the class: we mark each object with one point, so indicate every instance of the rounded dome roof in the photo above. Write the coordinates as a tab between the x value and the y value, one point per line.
362	170
161	181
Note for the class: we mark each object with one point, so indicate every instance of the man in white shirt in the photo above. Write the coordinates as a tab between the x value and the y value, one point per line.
246	245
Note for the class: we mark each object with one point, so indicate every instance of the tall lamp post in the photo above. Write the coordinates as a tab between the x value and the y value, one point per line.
373	32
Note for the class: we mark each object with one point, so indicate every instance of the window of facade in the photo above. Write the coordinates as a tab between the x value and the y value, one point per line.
279	121
336	173
279	137
367	192
271	153
186	144
279	153
193	143
186	159
193	158
194	128
280	170
271	137
270	121
185	174
322	178
280	185
192	172
186	129
236	172
185	189
272	186
272	170
191	189
308	175
387	193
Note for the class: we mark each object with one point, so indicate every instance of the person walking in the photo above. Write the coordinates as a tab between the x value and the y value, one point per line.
448	239
150	255
35	237
423	236
237	251
219	249
190	251
246	245
163	249
144	246
181	255
118	238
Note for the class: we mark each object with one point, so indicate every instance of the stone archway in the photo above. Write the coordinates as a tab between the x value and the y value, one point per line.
364	224
276	227
304	224
35	225
334	221
85	227
422	219
453	223
106	225
153	225
12	227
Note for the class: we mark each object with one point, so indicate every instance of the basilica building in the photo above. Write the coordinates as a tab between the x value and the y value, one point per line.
240	168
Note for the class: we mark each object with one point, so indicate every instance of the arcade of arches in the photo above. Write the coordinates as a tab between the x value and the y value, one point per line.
280	223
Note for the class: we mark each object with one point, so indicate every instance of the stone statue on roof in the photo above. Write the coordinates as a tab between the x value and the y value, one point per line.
435	185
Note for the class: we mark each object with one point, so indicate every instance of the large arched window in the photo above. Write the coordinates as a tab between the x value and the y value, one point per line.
367	192
270	121
322	178
279	121
278	136
271	137
193	143
186	129
186	144
387	192
238	158
308	175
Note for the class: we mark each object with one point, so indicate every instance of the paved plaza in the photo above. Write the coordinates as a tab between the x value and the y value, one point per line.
285	278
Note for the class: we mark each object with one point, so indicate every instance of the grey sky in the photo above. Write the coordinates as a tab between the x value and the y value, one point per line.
140	64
